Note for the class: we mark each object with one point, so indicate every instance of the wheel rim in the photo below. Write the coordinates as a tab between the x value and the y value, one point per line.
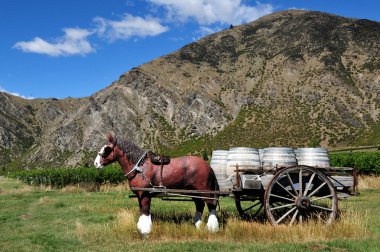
300	194
249	208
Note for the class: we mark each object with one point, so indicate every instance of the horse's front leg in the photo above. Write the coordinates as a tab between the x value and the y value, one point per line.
144	225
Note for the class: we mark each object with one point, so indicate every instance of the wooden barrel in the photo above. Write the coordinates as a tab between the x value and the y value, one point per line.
245	158
219	163
278	157
317	157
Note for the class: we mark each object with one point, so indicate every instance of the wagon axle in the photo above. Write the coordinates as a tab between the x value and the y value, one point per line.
303	203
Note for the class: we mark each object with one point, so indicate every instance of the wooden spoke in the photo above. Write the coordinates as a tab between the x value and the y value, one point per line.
315	197
309	184
248	209
282	206
280	197
294	217
316	190
286	189
286	214
292	184
323	208
324	197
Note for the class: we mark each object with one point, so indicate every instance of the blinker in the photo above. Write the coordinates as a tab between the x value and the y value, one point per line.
106	152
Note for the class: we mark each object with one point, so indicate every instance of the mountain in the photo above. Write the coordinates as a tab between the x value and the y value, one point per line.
292	78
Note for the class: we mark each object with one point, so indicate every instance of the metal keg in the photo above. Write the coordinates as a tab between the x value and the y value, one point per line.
244	157
317	157
219	163
276	157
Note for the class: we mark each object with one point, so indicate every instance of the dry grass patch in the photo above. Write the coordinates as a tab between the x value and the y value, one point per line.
12	186
352	225
108	187
369	182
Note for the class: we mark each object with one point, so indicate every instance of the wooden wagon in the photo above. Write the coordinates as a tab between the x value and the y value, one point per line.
286	195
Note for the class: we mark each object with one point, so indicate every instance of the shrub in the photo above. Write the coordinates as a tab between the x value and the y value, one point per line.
60	177
364	162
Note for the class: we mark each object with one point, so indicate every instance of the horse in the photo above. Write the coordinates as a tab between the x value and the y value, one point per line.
187	172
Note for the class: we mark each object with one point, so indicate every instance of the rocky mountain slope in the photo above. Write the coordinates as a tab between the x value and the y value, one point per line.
292	78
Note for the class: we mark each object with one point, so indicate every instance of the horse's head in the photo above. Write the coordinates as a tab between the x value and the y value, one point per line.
108	153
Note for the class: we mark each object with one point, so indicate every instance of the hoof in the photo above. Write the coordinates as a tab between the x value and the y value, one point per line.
144	225
212	224
198	224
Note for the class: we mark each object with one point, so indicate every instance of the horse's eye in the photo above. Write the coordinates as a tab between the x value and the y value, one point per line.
107	150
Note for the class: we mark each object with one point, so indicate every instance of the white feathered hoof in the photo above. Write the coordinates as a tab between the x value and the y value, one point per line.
198	224
144	225
198	219
212	223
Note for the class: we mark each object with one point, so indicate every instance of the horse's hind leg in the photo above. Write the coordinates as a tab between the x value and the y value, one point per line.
212	222
199	206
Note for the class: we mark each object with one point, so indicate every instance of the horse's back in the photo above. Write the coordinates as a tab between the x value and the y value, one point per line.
188	162
197	168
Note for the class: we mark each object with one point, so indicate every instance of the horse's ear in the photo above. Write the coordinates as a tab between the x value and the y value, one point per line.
111	138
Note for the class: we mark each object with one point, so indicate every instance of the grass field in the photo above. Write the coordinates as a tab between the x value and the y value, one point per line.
73	219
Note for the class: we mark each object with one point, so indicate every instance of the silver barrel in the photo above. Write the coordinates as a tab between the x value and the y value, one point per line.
244	157
276	157
317	157
261	154
219	163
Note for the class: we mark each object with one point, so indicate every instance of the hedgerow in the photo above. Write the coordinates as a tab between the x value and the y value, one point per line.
364	162
60	177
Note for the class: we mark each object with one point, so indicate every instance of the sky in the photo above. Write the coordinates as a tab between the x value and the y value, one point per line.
74	48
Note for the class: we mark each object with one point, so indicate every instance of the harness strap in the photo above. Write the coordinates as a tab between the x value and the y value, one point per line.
137	167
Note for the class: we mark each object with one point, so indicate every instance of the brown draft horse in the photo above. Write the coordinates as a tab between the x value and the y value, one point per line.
188	172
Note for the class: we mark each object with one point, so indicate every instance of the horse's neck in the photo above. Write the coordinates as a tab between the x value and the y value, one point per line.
126	164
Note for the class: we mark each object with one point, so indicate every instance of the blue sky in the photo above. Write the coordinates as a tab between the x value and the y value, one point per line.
73	48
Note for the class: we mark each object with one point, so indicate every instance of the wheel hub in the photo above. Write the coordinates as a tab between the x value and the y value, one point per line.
303	203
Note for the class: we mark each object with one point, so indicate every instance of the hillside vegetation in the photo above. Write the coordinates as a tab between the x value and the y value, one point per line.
292	78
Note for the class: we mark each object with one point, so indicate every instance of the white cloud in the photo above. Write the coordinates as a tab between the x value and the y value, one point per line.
72	43
207	12
129	26
15	94
206	30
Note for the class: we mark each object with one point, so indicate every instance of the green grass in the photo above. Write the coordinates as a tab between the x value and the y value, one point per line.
41	219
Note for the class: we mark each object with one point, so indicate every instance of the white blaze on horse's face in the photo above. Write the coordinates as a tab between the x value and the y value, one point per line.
98	158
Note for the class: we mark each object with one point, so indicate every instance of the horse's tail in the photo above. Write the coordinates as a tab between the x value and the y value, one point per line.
216	186
214	181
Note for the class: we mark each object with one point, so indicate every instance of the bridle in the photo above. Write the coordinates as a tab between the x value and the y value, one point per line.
136	168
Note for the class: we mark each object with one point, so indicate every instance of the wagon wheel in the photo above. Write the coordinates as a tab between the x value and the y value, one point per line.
298	194
249	207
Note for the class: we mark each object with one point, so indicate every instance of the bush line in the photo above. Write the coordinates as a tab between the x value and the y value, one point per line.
61	177
364	162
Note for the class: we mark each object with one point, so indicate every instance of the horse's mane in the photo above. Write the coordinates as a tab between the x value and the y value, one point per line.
131	150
